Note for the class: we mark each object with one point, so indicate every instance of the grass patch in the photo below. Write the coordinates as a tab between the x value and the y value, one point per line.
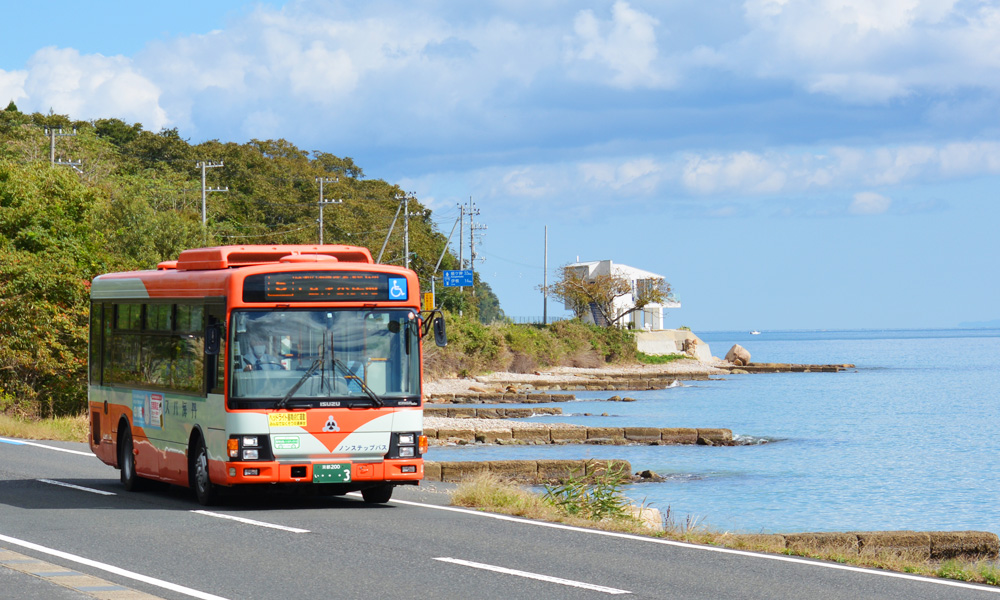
660	359
569	504
63	429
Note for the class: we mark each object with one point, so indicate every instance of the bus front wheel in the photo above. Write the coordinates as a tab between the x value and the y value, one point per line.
204	489
379	494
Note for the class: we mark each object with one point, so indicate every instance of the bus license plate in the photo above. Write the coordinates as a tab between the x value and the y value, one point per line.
332	473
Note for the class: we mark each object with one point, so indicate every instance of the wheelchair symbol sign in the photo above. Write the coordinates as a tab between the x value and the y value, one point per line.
397	288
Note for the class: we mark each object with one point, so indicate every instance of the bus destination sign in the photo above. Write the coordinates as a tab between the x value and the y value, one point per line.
325	287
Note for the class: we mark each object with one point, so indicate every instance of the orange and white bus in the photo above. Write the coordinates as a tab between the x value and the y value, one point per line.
241	365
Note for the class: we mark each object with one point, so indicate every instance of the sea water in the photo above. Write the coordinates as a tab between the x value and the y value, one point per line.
906	440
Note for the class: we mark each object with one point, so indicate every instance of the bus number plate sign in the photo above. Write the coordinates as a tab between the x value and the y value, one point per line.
286	419
332	473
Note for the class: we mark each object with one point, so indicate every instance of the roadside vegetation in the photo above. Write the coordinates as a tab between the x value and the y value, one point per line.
474	348
600	503
63	429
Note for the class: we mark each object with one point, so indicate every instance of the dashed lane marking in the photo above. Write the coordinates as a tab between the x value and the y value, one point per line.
530	575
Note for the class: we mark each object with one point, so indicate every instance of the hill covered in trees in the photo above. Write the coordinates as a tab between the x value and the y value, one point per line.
124	198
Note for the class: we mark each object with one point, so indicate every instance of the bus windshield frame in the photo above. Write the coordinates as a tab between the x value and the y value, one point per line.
311	357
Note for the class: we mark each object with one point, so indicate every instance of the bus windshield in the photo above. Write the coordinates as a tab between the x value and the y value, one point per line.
328	357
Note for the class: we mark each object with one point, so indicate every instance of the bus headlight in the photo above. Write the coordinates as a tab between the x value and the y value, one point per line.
406	451
249	441
250	454
406	439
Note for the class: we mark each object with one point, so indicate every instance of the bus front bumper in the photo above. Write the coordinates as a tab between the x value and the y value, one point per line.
389	470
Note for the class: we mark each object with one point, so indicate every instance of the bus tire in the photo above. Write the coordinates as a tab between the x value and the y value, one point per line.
126	461
379	494
206	491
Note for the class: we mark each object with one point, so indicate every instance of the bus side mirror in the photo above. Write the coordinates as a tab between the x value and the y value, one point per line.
213	339
440	336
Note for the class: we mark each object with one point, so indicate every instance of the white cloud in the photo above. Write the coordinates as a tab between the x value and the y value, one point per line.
91	86
625	45
872	52
12	86
744	171
869	203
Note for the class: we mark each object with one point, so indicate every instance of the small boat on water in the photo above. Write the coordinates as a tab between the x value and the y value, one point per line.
754	332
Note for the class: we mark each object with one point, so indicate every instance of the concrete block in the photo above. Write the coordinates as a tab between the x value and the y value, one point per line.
539	435
465	435
459	471
432	471
516	413
431	433
488	413
550	470
835	543
562	435
964	544
642	434
678	435
711	437
462	412
500	435
517	470
914	545
598	467
612	434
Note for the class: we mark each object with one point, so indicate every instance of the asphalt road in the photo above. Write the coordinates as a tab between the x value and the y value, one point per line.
162	543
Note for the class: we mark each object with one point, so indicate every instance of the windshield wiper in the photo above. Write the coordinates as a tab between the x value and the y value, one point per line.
298	384
348	375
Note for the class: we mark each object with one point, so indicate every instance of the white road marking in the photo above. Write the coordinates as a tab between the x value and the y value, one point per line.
180	589
529	575
652	540
77	487
250	521
36	444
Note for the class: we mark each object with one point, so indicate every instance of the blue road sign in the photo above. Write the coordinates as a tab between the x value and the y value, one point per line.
460	278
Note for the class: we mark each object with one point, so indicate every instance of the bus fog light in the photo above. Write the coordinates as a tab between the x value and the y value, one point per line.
406	451
408	468
406	438
232	471
251	472
249	455
249	441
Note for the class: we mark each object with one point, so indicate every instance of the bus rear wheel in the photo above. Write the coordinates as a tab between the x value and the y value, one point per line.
379	494
126	462
206	491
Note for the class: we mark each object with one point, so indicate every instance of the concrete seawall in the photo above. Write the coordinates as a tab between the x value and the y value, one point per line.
463	412
524	471
610	436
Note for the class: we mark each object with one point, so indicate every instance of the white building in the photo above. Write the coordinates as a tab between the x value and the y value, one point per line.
649	318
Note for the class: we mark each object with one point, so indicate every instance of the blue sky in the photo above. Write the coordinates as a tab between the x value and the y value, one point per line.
783	163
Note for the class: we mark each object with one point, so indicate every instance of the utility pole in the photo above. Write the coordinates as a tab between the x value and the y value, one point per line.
323	201
406	225
473	228
461	240
204	190
52	135
545	280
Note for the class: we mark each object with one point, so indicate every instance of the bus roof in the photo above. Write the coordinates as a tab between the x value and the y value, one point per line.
227	257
